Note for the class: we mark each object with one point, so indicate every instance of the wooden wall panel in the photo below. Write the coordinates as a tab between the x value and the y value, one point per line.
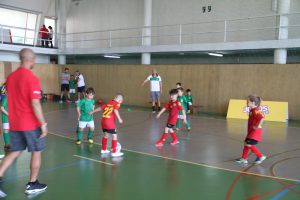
212	85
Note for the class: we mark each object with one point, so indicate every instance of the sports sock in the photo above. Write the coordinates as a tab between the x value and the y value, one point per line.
79	135
255	150
104	143
163	138
245	152
6	138
90	134
114	145
178	123
174	137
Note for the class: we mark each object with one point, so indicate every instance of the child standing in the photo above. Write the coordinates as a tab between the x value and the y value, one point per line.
5	123
254	135
184	102
72	88
174	107
108	123
84	106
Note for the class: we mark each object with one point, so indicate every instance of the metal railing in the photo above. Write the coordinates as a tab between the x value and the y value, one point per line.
232	30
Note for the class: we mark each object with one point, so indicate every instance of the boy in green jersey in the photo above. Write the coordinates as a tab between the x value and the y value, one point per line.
72	87
5	123
184	102
84	106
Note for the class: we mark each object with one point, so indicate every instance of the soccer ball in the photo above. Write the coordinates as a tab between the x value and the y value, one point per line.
119	147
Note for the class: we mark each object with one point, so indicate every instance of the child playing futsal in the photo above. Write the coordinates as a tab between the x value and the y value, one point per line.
184	102
174	107
72	88
84	106
5	124
108	123
254	135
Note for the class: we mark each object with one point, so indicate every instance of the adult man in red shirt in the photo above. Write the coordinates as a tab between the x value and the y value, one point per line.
27	123
44	35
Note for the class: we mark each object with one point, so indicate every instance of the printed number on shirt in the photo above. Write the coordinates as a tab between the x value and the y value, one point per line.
107	112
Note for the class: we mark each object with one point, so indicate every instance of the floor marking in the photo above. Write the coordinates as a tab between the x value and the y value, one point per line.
192	163
99	161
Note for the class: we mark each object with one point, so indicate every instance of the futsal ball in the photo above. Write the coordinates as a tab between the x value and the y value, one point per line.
119	147
100	101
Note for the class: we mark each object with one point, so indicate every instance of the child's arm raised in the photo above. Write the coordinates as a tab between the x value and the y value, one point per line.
118	116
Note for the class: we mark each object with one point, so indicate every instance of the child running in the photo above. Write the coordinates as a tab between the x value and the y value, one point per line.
108	123
254	135
184	102
5	124
84	106
174	107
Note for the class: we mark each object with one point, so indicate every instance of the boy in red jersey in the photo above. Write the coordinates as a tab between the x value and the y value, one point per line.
108	123
254	131
174	107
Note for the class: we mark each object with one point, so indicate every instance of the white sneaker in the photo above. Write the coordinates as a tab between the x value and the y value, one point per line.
105	151
117	154
259	160
241	161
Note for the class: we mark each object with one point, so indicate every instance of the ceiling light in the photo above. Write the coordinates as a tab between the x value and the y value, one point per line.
111	56
215	54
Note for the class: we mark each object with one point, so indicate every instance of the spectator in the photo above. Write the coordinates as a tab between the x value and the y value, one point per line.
50	35
44	36
65	87
80	85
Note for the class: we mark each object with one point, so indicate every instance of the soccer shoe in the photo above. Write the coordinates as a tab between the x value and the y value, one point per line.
60	101
189	128
32	188
78	142
159	144
104	151
117	154
241	161
2	194
174	142
153	111
259	160
90	141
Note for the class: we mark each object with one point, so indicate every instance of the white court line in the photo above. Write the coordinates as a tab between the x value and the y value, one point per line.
193	163
99	161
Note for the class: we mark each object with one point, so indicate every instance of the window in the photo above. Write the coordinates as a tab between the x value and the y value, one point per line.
21	25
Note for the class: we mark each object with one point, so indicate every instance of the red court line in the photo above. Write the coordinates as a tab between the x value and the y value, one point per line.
272	192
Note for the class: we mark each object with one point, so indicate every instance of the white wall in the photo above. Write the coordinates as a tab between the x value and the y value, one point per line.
46	7
94	15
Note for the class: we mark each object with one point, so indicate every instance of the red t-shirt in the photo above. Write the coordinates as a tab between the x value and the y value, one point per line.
255	116
22	87
44	32
174	108
108	117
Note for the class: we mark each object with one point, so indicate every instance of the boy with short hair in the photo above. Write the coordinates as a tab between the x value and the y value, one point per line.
174	106
84	106
184	102
108	123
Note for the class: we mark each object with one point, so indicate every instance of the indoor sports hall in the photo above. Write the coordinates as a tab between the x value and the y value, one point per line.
198	99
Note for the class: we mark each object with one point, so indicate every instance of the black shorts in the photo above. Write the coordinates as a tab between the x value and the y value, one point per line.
111	131
81	89
20	140
65	87
170	125
251	141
